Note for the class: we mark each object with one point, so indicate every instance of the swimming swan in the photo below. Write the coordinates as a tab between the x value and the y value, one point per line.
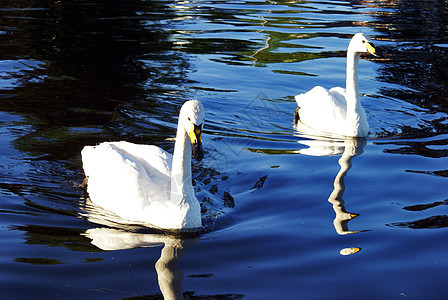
338	111
145	184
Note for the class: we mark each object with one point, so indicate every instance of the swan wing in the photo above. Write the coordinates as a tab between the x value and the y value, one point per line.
322	109
151	157
126	179
338	95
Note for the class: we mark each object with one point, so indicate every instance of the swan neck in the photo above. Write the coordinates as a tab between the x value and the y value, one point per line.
352	89
181	183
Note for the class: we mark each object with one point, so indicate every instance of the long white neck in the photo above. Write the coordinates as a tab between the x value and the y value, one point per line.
351	88
181	184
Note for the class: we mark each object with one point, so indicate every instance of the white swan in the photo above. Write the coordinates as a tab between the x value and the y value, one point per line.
338	111
145	184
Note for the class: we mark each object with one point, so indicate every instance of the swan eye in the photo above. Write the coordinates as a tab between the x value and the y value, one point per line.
363	41
189	119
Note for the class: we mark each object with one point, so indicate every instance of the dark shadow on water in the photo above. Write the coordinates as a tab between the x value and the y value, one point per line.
420	146
422	207
70	238
433	222
98	63
418	58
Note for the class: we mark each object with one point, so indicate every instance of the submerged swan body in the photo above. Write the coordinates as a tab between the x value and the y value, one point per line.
338	111
145	184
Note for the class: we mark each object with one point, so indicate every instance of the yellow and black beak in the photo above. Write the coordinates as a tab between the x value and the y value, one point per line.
196	141
371	49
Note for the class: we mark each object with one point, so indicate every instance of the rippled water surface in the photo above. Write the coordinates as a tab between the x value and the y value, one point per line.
286	215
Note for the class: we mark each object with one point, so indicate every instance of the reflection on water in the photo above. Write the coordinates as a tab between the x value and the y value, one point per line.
169	275
331	145
353	147
119	236
349	148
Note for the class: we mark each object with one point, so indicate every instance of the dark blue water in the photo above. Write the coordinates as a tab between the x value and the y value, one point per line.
286	216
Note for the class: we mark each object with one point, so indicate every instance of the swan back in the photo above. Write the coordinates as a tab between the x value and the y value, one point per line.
122	177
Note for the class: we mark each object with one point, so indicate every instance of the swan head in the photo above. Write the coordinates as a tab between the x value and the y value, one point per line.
192	116
360	43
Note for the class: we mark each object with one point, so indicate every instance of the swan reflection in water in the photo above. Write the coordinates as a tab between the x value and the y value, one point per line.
348	148
108	239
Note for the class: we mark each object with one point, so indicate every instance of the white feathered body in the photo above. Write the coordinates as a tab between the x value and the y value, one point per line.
326	111
134	182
